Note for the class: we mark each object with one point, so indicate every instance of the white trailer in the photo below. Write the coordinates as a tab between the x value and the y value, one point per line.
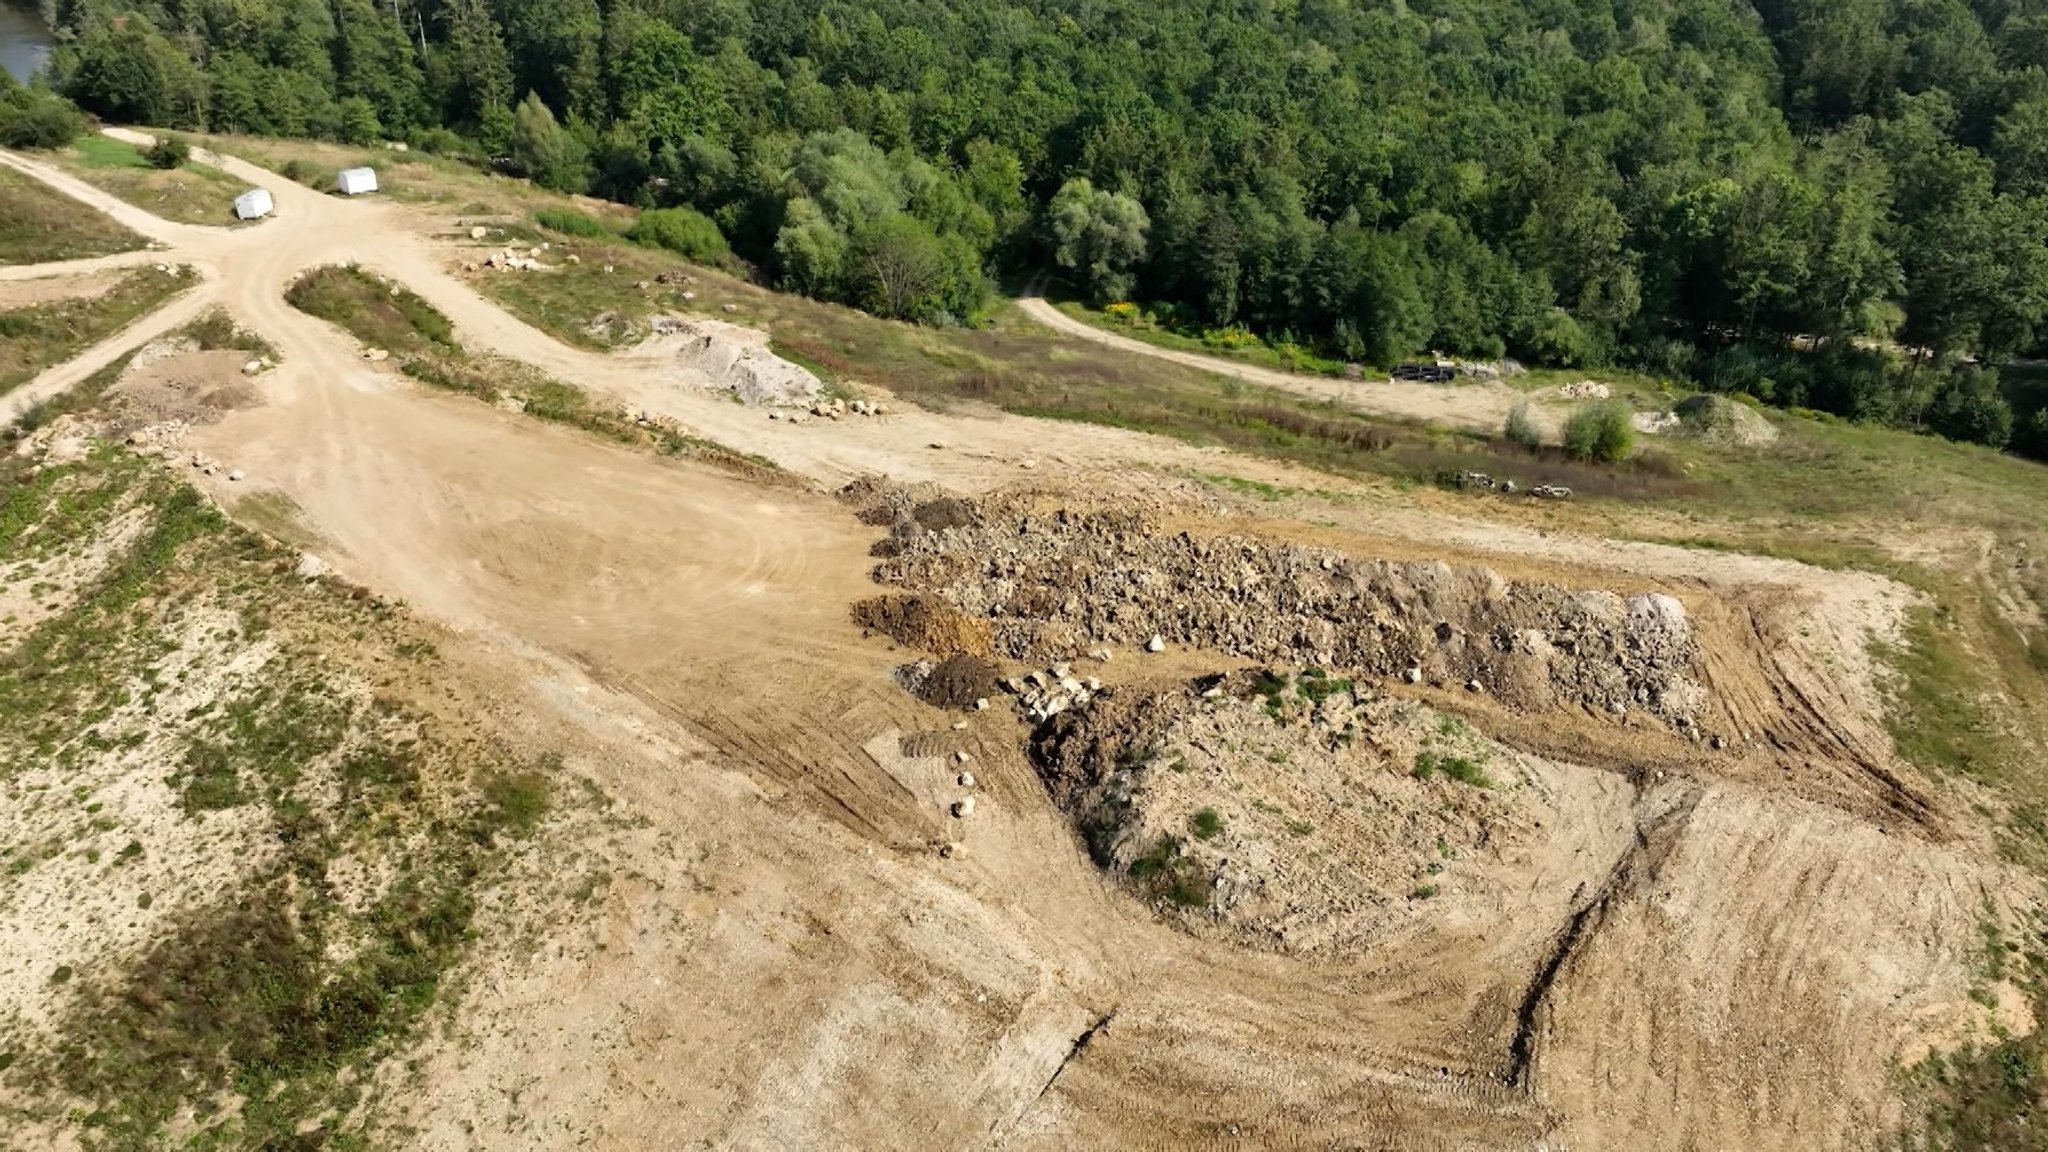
356	181
254	204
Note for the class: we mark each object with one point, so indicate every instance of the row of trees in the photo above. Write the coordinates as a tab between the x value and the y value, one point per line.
1692	185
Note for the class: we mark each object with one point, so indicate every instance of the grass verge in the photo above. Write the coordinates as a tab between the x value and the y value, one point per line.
39	225
192	194
41	335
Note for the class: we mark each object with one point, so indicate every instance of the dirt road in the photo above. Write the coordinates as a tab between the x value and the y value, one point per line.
783	960
1482	406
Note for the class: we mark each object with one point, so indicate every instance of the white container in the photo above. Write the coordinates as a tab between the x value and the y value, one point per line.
356	181
253	204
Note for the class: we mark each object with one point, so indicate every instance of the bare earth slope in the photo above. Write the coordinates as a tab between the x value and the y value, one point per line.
1637	938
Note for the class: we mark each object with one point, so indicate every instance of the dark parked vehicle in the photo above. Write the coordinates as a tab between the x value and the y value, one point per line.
1430	373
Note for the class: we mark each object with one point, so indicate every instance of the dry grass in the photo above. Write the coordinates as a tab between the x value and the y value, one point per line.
39	225
36	337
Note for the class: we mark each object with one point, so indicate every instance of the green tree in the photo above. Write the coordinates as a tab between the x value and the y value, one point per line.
1967	406
549	153
129	72
1099	236
897	266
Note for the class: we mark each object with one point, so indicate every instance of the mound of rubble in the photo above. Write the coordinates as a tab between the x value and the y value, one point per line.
1051	586
737	360
1294	812
1722	422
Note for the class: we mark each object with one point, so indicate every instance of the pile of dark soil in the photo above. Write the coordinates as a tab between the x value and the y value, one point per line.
958	681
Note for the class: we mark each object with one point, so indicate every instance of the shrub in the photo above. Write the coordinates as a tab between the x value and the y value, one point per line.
1602	432
1968	407
1206	824
33	118
1123	312
1521	428
684	231
570	222
168	152
1463	769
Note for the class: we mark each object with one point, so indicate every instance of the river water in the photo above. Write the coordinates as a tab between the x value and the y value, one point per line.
24	42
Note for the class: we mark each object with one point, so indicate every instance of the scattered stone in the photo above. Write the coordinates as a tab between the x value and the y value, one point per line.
981	704
938	445
376	355
731	307
1474	686
961	757
953	850
236	476
966	779
479	232
963	807
311	566
959	725
1412	676
252	367
1156	644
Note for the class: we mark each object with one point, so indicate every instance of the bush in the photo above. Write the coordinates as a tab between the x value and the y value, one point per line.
1521	428
168	152
570	222
33	118
1968	407
1603	432
684	231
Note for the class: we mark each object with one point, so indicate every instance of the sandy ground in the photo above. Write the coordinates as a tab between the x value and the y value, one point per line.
781	959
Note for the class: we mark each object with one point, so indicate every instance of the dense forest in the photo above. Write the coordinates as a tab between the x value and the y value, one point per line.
1836	204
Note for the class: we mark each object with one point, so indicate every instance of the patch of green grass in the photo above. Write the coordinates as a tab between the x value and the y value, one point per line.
1986	1095
570	222
97	151
1316	686
1937	719
39	224
1424	892
1206	824
216	331
1268	492
387	316
1463	769
514	803
43	335
1165	873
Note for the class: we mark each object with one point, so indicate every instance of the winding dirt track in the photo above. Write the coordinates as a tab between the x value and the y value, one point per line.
1480	406
783	962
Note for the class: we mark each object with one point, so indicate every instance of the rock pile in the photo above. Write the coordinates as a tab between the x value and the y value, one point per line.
738	360
1049	587
1043	695
513	260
